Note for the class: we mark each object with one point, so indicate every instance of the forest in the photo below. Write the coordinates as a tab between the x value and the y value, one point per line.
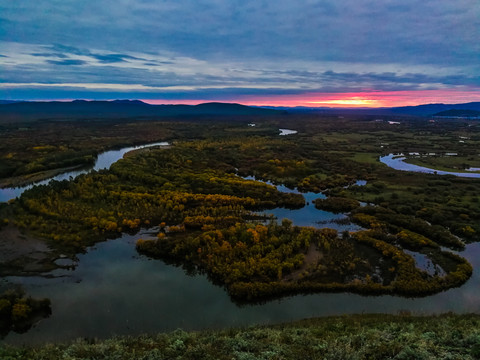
210	219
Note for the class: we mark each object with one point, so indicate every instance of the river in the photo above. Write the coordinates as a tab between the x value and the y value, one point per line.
115	291
104	161
397	162
284	132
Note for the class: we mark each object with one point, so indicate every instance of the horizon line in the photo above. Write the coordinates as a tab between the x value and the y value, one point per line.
154	102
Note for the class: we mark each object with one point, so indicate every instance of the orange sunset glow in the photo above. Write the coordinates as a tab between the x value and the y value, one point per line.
345	100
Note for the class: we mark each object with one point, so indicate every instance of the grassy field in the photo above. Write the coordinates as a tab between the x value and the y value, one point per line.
447	163
342	337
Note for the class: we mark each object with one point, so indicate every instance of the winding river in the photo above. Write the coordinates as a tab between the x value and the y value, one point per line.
397	162
104	161
115	291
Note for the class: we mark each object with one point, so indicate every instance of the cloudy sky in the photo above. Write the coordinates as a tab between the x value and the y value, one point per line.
264	52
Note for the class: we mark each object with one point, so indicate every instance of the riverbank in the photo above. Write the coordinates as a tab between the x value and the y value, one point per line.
103	161
338	337
442	164
401	162
24	180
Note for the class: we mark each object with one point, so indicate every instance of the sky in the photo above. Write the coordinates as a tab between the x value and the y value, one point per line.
349	53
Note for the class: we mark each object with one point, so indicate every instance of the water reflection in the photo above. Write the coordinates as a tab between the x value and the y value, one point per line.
309	215
115	291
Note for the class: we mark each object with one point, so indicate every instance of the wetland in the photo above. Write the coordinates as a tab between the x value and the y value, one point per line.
187	230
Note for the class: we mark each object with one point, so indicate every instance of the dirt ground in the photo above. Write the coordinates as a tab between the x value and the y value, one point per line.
312	257
23	254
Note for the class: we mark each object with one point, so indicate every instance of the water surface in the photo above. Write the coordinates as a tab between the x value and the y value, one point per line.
397	162
104	161
287	132
309	215
115	291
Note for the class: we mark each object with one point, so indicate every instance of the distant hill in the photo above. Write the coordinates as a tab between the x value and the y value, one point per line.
458	113
431	109
81	109
13	111
419	110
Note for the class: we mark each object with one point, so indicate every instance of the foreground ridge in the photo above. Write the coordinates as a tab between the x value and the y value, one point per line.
341	337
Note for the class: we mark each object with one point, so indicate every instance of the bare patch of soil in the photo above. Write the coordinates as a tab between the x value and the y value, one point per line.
22	254
312	257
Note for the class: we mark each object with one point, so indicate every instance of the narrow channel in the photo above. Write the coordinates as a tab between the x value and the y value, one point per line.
104	161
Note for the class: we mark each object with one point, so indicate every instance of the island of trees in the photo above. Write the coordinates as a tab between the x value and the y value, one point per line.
209	218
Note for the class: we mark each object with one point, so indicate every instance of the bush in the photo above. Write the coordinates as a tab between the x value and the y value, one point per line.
337	204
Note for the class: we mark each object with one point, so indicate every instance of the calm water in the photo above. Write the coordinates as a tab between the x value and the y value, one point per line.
115	291
397	162
104	161
309	215
287	132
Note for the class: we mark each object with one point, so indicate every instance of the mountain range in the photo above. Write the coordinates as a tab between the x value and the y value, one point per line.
418	110
11	111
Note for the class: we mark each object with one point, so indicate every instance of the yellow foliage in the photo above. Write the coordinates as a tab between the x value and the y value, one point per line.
20	311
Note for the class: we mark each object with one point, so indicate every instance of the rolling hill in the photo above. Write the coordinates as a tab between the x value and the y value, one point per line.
81	109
